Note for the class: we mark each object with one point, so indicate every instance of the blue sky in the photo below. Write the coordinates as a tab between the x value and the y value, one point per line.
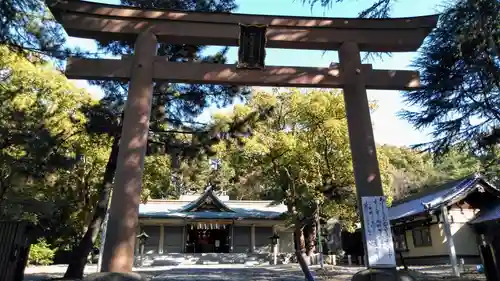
388	128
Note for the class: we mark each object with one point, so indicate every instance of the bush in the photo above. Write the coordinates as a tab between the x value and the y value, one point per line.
41	253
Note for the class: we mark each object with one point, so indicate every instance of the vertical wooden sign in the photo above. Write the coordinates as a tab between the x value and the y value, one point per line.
378	234
252	46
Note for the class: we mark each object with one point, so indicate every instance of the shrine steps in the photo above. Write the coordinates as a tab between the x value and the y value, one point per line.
173	259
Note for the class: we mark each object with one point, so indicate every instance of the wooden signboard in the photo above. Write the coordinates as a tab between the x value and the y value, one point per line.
252	46
378	234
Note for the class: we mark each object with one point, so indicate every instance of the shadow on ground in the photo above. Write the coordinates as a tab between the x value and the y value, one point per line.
204	274
233	274
259	273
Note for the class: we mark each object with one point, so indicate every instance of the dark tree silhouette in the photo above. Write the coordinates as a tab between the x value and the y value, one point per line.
460	71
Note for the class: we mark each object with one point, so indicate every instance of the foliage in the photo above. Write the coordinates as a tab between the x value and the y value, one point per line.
48	164
460	73
459	67
298	154
156	181
174	130
27	26
37	103
491	165
41	253
411	170
379	8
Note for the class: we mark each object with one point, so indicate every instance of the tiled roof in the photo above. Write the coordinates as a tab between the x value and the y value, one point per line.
237	209
433	199
207	195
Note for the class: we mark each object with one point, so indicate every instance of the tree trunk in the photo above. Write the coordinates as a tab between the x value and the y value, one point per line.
300	251
80	254
310	237
3	188
299	239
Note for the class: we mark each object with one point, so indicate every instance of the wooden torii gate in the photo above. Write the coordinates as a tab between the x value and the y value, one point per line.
147	27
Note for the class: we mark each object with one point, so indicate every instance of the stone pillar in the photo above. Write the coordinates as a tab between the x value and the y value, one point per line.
364	154
275	247
137	247
449	241
162	239
118	253
184	236
232	238
252	238
103	240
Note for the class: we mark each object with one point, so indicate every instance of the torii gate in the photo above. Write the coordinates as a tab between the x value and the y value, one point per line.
147	27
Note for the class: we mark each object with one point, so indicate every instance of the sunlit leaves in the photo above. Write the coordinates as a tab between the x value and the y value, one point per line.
49	165
298	154
156	182
411	171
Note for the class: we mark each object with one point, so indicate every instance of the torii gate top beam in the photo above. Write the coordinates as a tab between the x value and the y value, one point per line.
111	22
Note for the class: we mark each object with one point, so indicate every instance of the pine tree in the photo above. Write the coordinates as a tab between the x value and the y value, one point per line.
378	9
27	25
460	71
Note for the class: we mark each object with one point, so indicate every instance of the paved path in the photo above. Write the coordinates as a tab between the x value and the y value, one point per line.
188	273
243	273
230	274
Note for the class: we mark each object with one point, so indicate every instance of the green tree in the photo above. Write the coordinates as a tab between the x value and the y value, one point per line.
460	72
47	161
412	170
27	26
40	117
296	155
409	169
41	253
459	67
378	9
491	165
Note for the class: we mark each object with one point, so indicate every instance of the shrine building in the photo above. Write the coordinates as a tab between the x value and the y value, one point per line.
211	223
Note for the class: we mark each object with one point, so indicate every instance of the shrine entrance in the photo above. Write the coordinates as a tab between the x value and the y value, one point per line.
253	33
207	238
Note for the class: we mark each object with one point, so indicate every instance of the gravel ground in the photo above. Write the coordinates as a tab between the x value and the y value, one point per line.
257	273
421	273
188	273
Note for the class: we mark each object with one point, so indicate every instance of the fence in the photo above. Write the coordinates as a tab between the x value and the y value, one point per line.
14	250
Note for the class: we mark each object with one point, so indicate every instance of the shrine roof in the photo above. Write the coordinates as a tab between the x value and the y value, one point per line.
434	198
218	208
489	215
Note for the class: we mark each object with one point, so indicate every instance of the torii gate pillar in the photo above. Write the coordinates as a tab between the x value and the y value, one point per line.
118	255
362	142
364	155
